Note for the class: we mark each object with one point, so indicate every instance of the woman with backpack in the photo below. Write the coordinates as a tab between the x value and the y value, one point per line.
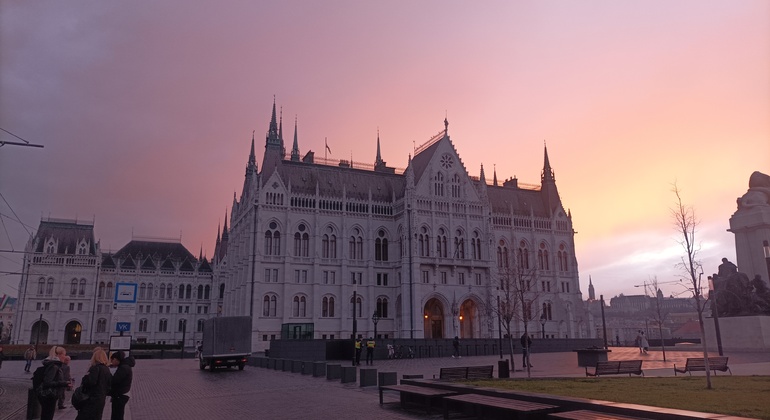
96	384
50	379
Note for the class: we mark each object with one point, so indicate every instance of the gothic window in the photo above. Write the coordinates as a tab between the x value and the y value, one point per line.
272	240
327	307
358	309
181	291
502	255
522	256
199	327
299	306
542	257
547	311
109	291
82	250
424	242
74	287
441	250
476	246
50	248
382	307
49	287
149	291
143	325
456	186
169	292
182	325
222	291
163	325
101	289
41	287
438	186
356	245
200	291
206	292
142	290
101	325
562	257
459	245
381	246
188	292
269	305
446	161
301	241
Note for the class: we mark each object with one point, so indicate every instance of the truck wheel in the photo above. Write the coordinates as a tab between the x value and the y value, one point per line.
202	365
241	366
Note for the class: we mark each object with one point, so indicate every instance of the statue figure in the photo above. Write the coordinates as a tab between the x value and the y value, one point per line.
726	269
758	194
760	297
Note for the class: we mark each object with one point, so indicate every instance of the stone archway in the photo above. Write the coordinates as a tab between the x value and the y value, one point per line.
433	315
39	334
72	332
469	322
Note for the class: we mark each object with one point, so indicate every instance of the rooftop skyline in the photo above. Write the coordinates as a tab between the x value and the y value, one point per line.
147	113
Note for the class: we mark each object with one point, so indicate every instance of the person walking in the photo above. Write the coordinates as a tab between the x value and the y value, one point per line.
526	343
2	357
456	346
67	377
370	351
29	355
96	384
53	380
644	345
638	341
120	386
358	351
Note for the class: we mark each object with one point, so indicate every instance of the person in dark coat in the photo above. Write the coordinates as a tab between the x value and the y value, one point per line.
53	379
526	345
121	383
96	383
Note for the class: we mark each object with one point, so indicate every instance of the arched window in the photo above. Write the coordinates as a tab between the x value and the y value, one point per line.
222	291
329	244
522	256
272	240
163	325
381	246
142	291
41	286
301	241
268	305
101	289
82	291
143	325
50	248
300	306
150	291
438	186
441	250
424	242
542	257
199	327
109	290
562	257
547	311
74	287
502	255
101	325
356	245
181	291
459	245
207	292
182	325
382	307
49	287
456	186
476	246
358	310
188	292
199	295
327	307
169	292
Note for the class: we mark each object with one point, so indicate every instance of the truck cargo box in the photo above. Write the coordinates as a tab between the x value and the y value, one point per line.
226	342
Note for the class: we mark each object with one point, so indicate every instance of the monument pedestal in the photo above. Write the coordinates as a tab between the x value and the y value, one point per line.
739	333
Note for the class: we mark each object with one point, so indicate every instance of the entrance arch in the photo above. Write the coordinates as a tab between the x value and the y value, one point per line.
434	319
39	333
468	319
72	332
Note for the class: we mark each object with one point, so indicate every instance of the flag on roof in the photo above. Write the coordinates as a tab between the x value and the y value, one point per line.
4	301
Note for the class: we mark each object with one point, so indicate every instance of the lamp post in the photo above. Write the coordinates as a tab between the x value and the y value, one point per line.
766	249
184	332
542	324
713	289
375	320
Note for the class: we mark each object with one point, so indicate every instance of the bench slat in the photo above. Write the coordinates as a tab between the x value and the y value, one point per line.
698	364
589	415
617	367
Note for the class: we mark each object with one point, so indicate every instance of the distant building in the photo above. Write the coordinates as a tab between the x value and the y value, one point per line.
7	310
310	239
66	292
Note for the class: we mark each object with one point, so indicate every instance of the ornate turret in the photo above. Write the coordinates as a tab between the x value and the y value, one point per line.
295	145
548	185
591	292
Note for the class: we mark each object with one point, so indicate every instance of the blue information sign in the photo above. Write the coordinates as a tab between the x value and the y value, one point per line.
123	326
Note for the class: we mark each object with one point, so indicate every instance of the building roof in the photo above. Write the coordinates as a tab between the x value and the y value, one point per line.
304	178
67	235
158	250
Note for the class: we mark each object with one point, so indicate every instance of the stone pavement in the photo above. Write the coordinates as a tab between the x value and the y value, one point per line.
177	389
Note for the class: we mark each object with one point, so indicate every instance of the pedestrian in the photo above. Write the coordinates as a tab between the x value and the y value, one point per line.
198	349
456	345
644	345
370	351
2	357
391	351
526	343
29	355
95	384
65	370
52	381
638	341
358	351
120	386
617	340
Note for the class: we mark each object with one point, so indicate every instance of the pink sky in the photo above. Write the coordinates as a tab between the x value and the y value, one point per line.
146	111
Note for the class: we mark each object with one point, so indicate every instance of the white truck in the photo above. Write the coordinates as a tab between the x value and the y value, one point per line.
226	342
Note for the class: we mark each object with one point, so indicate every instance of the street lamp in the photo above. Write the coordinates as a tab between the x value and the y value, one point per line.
375	319
766	248
713	289
542	324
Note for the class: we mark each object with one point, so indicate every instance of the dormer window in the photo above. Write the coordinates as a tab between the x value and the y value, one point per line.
50	248
82	249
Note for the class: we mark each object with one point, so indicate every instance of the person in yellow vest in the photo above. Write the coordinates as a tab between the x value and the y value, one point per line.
358	352
370	351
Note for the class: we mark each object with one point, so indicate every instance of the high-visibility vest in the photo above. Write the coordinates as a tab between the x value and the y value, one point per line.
370	344
358	345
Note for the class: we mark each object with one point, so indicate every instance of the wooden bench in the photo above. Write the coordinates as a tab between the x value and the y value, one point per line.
617	367
466	372
698	364
425	393
480	402
589	415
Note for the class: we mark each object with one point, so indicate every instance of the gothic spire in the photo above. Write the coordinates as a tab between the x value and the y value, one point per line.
280	126
547	174
378	159
482	178
224	230
252	155
494	175
295	146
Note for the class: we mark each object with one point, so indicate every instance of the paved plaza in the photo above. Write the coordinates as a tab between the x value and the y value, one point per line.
177	389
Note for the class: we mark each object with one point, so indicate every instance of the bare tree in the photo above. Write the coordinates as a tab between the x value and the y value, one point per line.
686	225
658	315
516	297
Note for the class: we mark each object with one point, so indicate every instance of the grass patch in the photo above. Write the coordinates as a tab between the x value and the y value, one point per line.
744	396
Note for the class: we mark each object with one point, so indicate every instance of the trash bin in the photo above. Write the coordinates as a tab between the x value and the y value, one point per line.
503	371
33	405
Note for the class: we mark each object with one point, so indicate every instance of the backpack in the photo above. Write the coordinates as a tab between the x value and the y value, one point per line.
38	377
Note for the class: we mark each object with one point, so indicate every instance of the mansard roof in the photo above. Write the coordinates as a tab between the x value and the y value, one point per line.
66	233
107	261
519	200
158	250
422	158
205	267
186	266
330	181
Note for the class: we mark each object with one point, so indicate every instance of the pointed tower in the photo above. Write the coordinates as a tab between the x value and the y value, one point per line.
274	151
548	189
295	146
223	245
591	292
273	139
280	133
379	164
482	185
494	176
